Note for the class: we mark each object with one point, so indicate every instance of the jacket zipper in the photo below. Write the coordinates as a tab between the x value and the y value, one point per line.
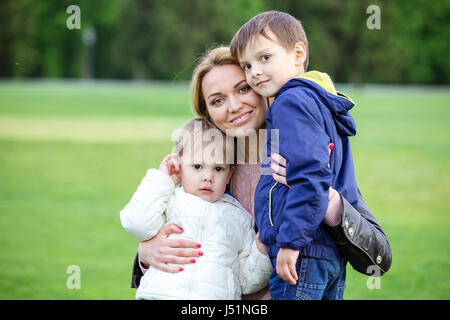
270	203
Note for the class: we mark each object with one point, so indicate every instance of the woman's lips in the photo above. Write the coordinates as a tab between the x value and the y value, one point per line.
242	118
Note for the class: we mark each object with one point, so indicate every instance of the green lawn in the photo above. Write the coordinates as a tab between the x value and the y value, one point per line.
73	153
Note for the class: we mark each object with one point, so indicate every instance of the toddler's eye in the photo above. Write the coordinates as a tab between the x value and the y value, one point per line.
197	166
219	169
265	57
247	67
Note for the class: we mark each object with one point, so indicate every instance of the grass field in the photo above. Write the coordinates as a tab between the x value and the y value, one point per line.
72	154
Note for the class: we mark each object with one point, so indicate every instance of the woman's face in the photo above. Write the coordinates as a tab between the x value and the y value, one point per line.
233	106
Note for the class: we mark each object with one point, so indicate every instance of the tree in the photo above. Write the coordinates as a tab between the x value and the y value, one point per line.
162	39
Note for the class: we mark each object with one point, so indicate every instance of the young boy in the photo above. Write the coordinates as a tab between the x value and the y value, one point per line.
307	115
232	262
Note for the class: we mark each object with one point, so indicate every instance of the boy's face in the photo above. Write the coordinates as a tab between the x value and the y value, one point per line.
207	180
268	65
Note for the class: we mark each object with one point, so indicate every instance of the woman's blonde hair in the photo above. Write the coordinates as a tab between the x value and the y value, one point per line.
216	57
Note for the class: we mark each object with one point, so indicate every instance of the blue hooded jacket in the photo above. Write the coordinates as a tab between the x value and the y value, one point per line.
307	114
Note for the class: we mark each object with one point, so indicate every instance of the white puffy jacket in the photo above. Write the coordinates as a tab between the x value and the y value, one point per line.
231	264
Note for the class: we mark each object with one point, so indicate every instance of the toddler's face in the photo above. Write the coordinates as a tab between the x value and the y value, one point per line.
268	65
207	180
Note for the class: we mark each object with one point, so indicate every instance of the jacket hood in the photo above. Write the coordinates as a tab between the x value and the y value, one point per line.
338	103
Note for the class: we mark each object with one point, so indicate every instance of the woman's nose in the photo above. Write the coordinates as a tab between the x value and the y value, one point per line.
234	104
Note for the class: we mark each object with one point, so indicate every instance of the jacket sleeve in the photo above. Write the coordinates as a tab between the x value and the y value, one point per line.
304	144
144	215
254	266
361	239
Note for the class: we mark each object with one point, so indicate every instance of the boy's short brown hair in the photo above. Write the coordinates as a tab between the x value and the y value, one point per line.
288	30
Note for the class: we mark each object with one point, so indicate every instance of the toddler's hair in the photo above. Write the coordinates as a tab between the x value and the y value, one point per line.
201	134
288	30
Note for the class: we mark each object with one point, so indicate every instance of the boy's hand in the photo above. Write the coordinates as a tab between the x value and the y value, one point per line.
286	260
171	168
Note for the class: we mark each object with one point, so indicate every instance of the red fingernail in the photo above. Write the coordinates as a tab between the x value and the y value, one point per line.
331	146
180	228
200	253
181	269
198	245
270	164
192	260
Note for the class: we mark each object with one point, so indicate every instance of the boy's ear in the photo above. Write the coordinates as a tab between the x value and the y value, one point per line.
300	53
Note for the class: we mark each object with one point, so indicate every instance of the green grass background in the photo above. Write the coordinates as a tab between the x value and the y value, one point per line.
73	153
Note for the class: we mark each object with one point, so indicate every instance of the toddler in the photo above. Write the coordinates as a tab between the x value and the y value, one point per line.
231	264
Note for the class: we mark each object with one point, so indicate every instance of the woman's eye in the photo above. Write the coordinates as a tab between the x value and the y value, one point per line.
265	57
247	67
244	89
217	101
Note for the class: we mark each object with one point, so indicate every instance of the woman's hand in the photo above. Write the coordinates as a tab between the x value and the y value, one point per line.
161	250
279	169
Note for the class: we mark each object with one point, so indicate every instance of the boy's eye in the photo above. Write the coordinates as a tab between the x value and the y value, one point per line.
265	57
247	67
197	166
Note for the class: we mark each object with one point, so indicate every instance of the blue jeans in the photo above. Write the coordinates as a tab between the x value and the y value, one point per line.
318	279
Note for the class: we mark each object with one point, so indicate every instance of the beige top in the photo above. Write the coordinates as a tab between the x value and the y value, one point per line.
243	184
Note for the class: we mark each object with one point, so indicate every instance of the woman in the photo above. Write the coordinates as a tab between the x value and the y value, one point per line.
219	92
